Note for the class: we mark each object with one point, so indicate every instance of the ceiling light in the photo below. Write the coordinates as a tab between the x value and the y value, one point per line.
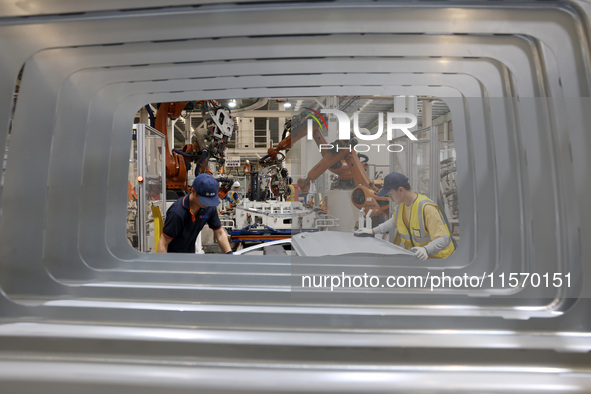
287	104
232	104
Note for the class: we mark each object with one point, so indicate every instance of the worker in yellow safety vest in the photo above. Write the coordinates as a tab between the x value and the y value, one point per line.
420	225
232	195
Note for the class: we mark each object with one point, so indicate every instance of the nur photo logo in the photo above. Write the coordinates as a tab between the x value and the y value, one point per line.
394	121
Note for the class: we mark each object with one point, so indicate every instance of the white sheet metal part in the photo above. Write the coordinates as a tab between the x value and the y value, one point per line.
338	243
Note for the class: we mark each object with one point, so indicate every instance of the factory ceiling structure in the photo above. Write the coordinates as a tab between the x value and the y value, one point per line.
82	311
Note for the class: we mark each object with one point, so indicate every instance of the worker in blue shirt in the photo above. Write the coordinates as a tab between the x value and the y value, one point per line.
186	217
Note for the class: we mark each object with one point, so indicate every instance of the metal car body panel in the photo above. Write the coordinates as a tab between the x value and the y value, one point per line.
81	311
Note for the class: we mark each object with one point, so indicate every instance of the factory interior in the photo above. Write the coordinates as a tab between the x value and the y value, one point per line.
273	181
267	196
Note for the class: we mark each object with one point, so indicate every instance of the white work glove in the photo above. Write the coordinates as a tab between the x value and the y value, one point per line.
420	253
364	232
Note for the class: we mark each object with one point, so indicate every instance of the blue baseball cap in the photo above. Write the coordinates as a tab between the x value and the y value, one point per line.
207	190
393	180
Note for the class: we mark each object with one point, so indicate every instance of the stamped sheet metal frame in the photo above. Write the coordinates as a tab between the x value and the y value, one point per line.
97	54
557	152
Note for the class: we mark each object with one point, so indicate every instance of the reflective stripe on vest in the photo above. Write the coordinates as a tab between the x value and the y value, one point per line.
405	236
419	235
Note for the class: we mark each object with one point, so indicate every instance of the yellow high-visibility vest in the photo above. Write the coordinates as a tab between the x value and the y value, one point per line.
233	197
291	196
416	234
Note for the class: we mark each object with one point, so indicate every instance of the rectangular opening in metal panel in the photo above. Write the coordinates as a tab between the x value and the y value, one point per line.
300	167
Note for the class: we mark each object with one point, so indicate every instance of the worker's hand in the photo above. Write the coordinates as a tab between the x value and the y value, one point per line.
365	232
420	253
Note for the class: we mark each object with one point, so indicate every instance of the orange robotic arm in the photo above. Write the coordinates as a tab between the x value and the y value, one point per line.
340	168
296	134
364	195
343	161
330	158
176	172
